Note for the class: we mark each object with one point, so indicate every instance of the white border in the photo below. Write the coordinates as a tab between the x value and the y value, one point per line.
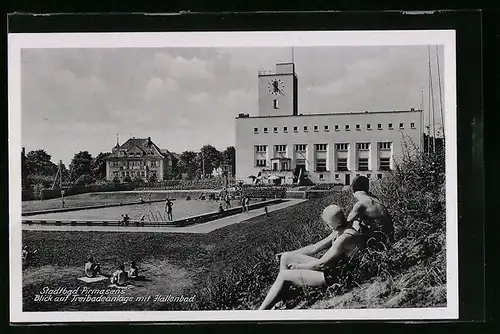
16	42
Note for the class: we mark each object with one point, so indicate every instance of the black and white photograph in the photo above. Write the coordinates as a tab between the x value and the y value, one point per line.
233	176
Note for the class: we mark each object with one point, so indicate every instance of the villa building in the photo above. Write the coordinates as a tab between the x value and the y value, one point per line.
138	157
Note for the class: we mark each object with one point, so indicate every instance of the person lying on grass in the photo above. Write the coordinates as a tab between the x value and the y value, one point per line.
92	269
299	268
369	216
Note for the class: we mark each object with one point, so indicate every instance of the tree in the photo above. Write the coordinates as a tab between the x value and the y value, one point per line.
229	158
80	165
209	159
99	166
84	180
188	163
127	179
38	163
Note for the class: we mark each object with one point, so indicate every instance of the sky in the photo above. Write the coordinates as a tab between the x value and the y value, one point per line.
184	98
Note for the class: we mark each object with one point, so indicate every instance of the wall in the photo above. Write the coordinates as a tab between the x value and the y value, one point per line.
246	139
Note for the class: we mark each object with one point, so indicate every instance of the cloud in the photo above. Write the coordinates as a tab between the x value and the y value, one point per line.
157	87
181	68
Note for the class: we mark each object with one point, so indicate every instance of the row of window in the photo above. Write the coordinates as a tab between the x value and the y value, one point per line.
340	147
134	154
134	163
133	174
384	164
337	176
337	128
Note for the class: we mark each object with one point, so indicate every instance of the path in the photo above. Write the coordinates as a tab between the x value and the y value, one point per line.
198	228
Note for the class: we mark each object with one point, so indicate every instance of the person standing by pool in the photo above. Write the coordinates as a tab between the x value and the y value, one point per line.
168	209
247	204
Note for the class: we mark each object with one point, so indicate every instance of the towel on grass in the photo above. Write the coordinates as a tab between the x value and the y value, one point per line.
92	279
128	286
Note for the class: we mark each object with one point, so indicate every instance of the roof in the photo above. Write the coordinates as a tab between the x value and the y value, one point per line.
337	114
139	145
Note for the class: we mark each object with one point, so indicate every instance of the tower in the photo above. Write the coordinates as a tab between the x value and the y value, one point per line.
278	91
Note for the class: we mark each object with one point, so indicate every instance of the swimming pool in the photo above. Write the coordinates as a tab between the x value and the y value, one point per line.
153	211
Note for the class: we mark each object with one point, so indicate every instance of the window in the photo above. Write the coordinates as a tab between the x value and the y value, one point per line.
342	147
321	164
255	130
342	164
358	127
385	164
260	148
321	177
275	104
390	126
301	163
412	125
295	129
337	176
285	129
401	125
384	146
327	128
379	176
261	163
315	128
347	127
320	147
265	130
305	128
280	148
368	126
300	147
379	126
362	163
363	146
275	129
336	127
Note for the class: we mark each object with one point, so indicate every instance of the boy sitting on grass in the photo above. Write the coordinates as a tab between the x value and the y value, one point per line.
92	269
300	268
120	276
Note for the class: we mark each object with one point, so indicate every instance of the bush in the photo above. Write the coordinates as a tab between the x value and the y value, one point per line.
84	180
138	180
127	179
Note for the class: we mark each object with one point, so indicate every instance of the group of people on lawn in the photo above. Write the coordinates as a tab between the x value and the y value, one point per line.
120	277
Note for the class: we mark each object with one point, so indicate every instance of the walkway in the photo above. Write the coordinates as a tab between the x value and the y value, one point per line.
199	228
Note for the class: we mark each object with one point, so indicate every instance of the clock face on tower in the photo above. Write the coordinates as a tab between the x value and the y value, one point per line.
276	87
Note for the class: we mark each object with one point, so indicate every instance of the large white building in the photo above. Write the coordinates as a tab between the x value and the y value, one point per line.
329	147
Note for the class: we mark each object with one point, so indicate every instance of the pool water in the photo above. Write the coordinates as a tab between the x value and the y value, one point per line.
152	211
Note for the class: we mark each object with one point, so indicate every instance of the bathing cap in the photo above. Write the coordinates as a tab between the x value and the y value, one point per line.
360	183
333	215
